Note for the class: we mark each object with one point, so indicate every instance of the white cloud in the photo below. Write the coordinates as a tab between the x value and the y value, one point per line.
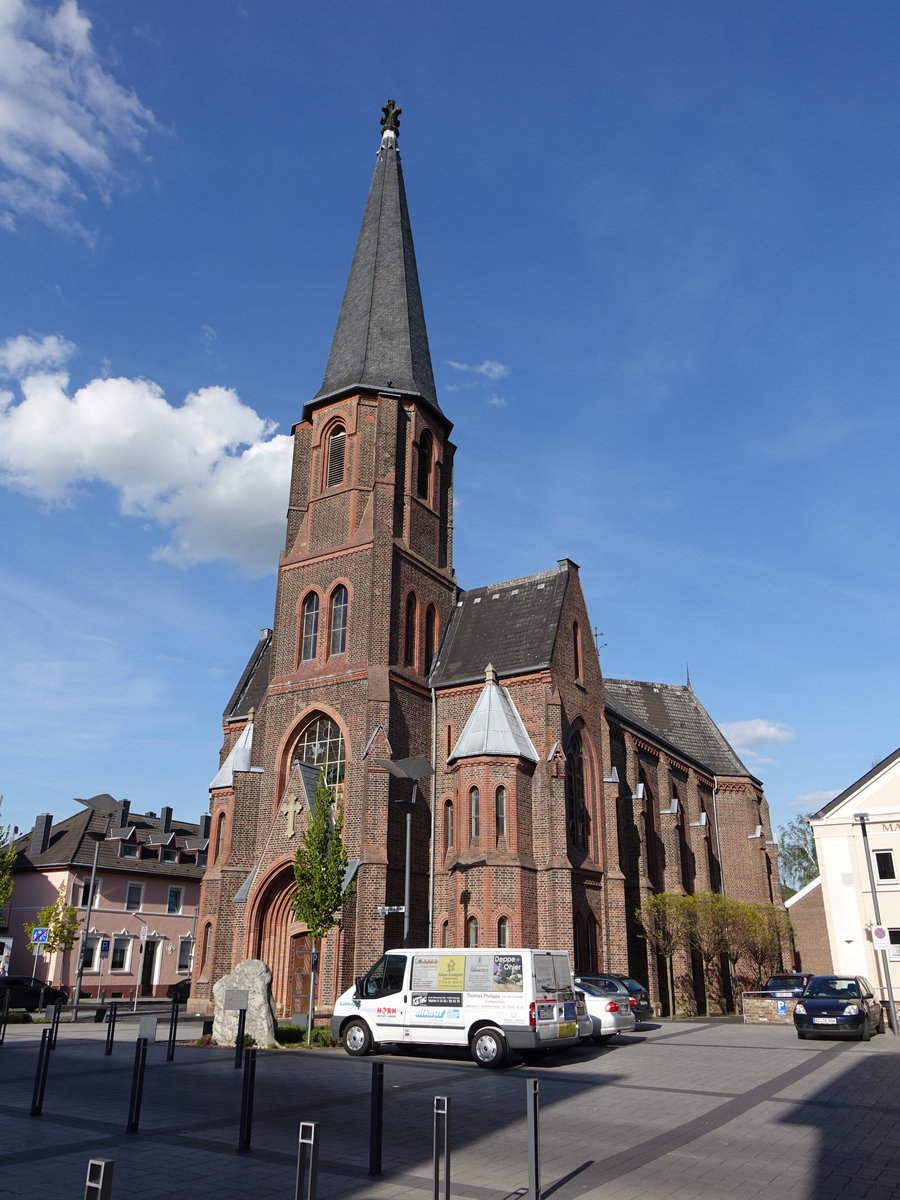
21	355
748	736
64	120
489	368
210	471
496	401
813	801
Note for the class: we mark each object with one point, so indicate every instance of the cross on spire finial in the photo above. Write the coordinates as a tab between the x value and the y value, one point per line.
390	121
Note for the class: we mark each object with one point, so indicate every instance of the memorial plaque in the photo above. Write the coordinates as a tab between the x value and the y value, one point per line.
237	998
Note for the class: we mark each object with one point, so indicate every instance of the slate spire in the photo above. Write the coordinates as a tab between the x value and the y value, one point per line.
381	341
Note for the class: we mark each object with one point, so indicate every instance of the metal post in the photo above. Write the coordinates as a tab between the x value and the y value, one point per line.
406	874
98	1185
173	1031
4	1016
441	1117
54	1024
239	1040
885	965
309	1137
111	1027
534	1139
376	1118
137	1085
40	1078
85	929
247	1102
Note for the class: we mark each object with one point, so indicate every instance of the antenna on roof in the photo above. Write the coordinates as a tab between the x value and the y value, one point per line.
688	671
597	635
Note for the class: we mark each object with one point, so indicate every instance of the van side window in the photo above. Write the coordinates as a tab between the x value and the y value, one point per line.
386	977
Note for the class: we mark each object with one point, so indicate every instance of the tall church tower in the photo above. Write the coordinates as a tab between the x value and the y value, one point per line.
365	589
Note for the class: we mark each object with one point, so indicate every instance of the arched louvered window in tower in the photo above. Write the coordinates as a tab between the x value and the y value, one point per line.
423	475
337	452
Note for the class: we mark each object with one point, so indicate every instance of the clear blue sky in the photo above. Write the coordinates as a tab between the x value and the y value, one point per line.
658	249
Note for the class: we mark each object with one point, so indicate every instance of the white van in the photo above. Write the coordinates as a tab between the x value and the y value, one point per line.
491	1000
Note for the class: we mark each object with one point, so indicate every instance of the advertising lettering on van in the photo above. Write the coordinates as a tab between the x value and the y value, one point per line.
507	972
438	999
385	1010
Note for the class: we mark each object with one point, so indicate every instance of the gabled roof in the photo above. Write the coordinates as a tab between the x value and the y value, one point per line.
881	768
494	728
251	687
381	342
238	759
672	713
512	625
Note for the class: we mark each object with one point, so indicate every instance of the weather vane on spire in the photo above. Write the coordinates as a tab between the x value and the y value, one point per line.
390	122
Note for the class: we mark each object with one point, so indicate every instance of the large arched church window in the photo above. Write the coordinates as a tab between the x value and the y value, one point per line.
321	745
576	800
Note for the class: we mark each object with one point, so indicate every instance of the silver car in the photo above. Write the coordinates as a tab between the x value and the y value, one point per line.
609	1010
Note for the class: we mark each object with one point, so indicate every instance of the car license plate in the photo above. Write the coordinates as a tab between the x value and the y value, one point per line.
824	1020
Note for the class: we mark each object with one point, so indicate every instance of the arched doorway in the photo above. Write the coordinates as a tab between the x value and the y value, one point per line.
278	937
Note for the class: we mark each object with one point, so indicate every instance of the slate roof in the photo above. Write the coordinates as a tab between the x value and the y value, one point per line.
251	687
72	844
673	713
494	728
381	341
512	625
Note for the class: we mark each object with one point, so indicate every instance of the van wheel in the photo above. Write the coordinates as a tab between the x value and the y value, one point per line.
488	1046
357	1038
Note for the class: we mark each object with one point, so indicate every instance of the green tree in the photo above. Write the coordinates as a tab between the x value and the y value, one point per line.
766	934
61	921
320	867
797	861
7	861
664	918
707	915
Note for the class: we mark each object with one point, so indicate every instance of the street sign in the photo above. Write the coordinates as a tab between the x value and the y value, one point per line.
880	937
104	947
384	909
39	937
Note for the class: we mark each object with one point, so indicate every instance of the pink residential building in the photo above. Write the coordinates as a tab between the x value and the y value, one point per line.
139	938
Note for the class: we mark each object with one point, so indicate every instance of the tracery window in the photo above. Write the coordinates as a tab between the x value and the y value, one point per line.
321	745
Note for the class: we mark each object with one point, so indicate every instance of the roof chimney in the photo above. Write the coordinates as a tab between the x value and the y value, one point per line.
40	838
124	809
165	820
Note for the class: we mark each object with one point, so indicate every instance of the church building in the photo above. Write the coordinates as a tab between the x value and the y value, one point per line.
482	761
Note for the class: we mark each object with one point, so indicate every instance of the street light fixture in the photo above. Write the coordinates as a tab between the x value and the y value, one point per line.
414	769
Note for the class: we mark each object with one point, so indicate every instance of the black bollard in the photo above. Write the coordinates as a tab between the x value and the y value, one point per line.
137	1085
111	1026
54	1024
40	1078
247	1102
239	1041
4	1016
173	1031
376	1118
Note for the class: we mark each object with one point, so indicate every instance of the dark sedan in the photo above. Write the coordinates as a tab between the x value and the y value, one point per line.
838	1004
30	994
638	1000
791	983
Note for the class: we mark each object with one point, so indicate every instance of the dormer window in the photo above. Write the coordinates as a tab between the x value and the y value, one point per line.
337	449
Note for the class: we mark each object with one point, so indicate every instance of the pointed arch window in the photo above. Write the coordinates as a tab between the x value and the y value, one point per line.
337	451
430	636
207	945
500	811
220	836
409	632
309	638
321	745
474	814
472	931
576	805
503	932
576	649
448	827
338	641
423	474
445	933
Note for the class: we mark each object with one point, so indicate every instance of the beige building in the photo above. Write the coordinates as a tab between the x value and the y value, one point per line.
857	839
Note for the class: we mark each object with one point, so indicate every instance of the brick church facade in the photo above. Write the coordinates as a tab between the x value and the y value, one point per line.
559	800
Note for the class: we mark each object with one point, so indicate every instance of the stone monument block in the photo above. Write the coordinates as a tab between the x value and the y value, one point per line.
248	982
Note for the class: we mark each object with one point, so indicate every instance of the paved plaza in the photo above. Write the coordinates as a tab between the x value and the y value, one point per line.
679	1111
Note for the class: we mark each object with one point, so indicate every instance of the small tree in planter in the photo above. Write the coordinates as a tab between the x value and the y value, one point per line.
320	867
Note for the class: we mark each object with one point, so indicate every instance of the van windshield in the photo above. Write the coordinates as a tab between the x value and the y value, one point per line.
386	977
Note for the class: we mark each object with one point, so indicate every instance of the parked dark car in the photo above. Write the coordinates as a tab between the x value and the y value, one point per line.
638	1000
30	994
838	1004
179	991
790	983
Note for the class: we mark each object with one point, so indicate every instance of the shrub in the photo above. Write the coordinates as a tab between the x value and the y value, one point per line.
295	1035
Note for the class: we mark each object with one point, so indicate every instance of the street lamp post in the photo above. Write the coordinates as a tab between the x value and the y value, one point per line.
862	817
98	838
414	769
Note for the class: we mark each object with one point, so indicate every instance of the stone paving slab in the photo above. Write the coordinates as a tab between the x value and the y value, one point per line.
688	1111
